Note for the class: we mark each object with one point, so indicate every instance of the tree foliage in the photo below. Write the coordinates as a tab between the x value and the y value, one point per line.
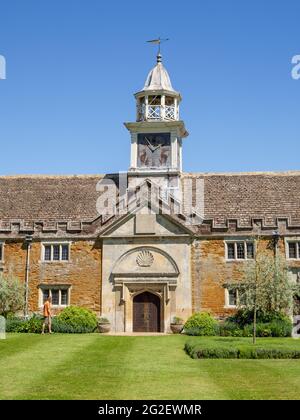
11	295
267	286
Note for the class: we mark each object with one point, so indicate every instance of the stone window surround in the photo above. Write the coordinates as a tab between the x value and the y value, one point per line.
42	287
235	240
51	242
286	245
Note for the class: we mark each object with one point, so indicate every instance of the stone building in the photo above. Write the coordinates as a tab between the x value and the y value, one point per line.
142	247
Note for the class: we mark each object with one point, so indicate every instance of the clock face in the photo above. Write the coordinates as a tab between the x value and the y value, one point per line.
154	150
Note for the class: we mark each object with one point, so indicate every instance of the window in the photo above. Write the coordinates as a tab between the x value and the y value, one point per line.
47	253
239	250
59	295
231	297
55	296
64	296
46	294
169	100
250	250
294	249
1	252
56	252
231	251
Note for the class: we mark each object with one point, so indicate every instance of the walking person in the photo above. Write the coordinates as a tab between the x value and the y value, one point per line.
47	315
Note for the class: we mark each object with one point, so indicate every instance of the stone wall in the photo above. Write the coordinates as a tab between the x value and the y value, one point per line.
82	271
210	271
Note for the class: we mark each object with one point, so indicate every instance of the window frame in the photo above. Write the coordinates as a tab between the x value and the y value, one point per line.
58	287
52	245
296	241
2	251
235	242
227	300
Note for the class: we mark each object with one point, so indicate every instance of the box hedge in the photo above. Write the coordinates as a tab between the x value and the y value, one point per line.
198	351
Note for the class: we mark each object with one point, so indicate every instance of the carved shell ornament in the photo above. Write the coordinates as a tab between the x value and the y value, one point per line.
145	258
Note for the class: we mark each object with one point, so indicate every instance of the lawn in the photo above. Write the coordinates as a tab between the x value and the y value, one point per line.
91	366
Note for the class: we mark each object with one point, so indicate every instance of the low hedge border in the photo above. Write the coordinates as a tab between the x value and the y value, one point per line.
245	352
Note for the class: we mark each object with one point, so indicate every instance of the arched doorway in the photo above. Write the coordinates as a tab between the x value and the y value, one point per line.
146	312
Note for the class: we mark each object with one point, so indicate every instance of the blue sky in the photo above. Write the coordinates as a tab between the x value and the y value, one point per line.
73	66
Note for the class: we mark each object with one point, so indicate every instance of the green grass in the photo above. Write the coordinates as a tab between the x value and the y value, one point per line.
91	366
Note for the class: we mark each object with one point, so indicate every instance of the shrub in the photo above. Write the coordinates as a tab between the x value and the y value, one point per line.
263	330
71	320
75	319
201	324
281	328
14	324
103	320
276	328
271	324
177	320
231	329
197	351
217	353
31	325
11	295
244	317
65	328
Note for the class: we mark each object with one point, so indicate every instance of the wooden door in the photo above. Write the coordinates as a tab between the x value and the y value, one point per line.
146	313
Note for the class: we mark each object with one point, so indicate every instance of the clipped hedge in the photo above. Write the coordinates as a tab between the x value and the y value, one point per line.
197	351
59	326
201	324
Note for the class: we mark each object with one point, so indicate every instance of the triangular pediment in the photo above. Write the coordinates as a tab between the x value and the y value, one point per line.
145	224
144	212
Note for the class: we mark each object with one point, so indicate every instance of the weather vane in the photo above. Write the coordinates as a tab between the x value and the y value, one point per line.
158	41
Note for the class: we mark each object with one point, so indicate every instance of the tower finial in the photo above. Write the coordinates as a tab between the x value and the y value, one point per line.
158	41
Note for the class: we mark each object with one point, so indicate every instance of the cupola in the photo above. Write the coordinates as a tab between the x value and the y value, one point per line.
158	101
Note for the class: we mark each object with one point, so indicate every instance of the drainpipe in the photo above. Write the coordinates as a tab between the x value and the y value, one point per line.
276	237
27	241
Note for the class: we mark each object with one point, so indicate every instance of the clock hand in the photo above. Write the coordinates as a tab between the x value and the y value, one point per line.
149	143
155	148
151	147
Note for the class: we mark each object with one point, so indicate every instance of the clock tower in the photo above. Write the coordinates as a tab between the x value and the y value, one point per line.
157	133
